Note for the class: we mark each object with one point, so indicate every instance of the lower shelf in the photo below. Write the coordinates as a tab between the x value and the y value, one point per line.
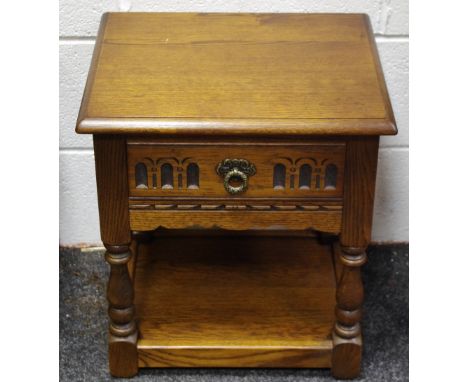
235	302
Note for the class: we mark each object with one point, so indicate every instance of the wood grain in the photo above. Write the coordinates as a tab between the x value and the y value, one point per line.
306	203
112	187
122	326
378	68
326	221
359	189
110	156
252	356
207	157
361	167
346	359
257	291
336	249
246	74
234	302
92	68
138	237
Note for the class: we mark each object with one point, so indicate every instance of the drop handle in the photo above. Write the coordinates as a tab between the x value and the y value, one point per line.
236	173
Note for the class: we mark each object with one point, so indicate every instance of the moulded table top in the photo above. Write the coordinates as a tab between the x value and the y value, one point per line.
236	74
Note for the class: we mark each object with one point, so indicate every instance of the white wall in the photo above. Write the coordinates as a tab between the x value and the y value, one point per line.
79	21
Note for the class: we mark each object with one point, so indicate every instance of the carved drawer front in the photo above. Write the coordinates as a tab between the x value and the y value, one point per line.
236	170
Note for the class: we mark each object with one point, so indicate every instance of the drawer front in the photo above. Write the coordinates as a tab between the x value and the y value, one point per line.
236	170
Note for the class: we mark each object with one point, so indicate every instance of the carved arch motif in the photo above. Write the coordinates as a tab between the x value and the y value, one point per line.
141	175
172	173
304	174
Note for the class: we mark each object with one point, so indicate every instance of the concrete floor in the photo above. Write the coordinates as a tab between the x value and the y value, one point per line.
83	325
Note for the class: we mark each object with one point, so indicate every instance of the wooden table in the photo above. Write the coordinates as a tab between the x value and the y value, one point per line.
225	123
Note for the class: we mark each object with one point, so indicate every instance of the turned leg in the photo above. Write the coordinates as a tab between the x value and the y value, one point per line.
359	186
347	341
123	357
112	187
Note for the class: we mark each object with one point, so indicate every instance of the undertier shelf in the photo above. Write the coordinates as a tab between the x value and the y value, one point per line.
211	301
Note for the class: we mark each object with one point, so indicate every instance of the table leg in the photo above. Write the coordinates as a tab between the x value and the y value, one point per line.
123	357
347	341
112	187
361	166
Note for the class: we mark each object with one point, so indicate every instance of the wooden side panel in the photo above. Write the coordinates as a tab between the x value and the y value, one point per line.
112	187
358	204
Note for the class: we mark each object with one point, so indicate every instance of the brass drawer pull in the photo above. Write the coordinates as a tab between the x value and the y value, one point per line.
235	171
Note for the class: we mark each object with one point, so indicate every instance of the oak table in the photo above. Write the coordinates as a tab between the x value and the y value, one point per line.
225	126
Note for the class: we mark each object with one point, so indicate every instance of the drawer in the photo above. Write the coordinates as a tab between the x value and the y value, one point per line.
236	170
